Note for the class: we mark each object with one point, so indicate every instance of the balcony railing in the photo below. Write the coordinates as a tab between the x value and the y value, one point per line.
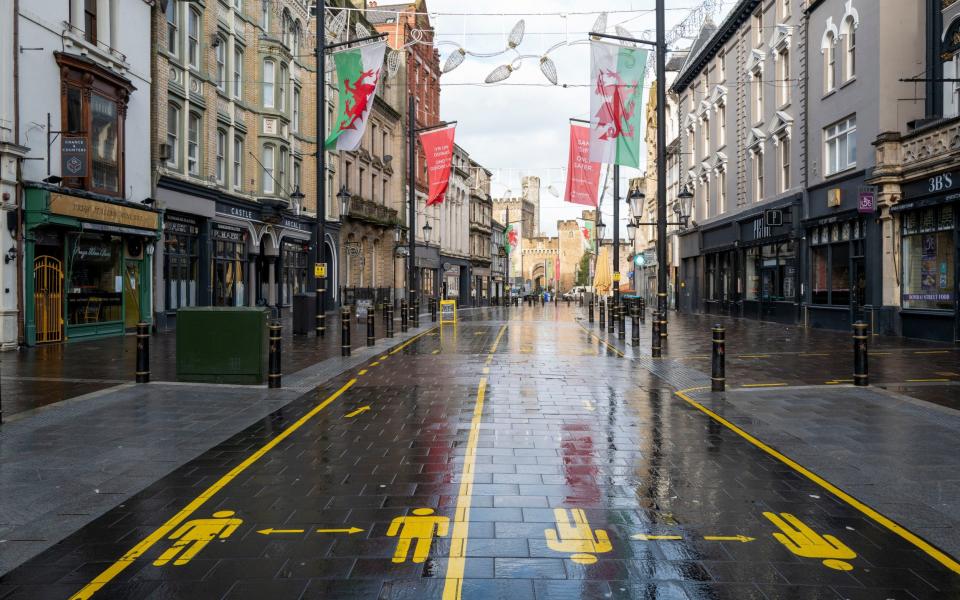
371	212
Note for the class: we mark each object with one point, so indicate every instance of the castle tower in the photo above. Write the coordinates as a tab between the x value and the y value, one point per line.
531	193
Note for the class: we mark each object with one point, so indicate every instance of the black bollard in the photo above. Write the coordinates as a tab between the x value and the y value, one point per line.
273	372
371	329
386	315
611	315
860	358
590	310
389	324
635	327
415	312
603	312
404	315
143	353
656	343
622	321
718	379
345	331
433	310
643	310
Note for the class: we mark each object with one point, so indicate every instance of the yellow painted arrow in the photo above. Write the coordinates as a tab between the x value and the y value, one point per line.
272	531
645	537
728	538
359	411
350	530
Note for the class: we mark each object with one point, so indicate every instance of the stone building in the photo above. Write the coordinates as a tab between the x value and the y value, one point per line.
454	232
482	251
499	287
571	250
232	146
541	256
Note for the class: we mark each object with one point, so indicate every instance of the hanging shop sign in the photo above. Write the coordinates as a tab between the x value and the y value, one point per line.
73	156
583	175
867	199
226	233
105	212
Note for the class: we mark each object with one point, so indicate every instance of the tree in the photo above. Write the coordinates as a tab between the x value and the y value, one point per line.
583	271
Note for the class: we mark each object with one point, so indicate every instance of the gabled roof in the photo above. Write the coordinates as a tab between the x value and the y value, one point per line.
700	55
706	32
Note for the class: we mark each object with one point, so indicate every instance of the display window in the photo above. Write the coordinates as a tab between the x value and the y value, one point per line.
95	287
929	253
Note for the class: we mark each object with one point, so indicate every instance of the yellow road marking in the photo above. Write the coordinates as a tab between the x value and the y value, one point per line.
270	531
648	538
728	538
762	385
347	530
938	555
752	356
359	411
930	352
486	370
838	381
453	583
435	352
931	380
384	357
375	363
363	371
601	340
814	354
161	532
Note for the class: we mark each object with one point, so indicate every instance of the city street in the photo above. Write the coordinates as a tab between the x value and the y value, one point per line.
527	453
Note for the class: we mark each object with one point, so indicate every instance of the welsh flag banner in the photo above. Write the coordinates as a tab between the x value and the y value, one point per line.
583	175
358	73
438	148
615	103
586	234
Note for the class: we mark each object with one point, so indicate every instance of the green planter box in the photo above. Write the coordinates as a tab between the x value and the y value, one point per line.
222	345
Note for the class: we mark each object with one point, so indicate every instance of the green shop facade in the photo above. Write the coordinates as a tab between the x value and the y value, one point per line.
88	259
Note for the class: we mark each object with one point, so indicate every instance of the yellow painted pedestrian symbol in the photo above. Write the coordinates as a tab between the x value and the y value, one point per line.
805	542
577	537
420	526
193	536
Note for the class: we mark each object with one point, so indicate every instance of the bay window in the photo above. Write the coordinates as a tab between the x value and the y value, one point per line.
268	159
929	252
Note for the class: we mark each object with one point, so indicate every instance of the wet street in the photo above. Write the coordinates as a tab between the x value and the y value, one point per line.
526	453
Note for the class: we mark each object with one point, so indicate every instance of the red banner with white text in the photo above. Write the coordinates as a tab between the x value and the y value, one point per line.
438	148
583	175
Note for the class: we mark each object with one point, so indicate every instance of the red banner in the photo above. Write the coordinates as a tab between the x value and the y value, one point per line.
438	148
583	176
556	272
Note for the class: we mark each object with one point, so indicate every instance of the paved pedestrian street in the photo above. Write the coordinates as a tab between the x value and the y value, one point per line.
526	453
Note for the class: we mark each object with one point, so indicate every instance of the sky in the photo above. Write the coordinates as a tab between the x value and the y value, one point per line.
520	127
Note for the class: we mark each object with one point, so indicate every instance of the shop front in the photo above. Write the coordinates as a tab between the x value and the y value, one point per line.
89	260
428	269
843	259
929	230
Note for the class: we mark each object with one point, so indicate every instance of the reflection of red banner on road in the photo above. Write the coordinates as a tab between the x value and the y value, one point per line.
583	176
580	470
438	148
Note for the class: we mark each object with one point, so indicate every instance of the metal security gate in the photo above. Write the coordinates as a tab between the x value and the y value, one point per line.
48	299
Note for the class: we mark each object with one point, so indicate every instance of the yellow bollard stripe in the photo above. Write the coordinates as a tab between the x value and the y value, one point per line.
938	555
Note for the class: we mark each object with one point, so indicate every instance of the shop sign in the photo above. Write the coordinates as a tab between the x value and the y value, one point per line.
867	200
834	198
236	211
319	270
293	224
177	224
73	156
227	234
760	228
94	252
105	212
935	184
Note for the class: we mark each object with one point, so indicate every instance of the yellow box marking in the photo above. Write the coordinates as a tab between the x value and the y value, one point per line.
453	582
576	537
938	555
161	532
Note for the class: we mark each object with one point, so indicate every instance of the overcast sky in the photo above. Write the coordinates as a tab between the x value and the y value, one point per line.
517	130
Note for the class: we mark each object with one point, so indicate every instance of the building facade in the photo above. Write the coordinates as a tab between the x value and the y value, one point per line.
454	232
499	287
482	252
87	231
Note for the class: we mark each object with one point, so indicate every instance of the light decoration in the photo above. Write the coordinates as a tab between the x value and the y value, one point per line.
360	30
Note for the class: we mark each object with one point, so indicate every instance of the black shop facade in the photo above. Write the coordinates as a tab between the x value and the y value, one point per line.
741	266
223	250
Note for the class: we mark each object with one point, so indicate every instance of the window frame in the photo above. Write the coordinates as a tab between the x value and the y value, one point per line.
194	17
193	145
237	71
758	176
173	29
268	89
850	133
295	107
238	162
784	166
830	64
220	168
268	184
849	49
174	161
220	54
783	83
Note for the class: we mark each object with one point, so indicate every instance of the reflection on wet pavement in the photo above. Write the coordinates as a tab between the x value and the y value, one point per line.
514	455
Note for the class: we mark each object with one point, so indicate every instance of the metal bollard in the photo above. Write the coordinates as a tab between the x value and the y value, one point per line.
603	312
143	353
590	310
611	315
656	343
635	327
718	379
371	329
386	314
415	312
404	315
622	322
345	331
643	310
389	321
433	310
860	357
273	366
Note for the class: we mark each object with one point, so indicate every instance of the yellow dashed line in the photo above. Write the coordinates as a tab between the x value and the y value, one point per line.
762	385
932	380
363	371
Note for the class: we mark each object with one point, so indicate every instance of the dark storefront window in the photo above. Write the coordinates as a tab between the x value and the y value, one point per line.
771	272
293	279
181	262
96	284
722	281
229	266
426	283
929	251
836	263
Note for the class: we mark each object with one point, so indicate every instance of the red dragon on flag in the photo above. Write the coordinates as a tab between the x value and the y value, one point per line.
360	94
614	113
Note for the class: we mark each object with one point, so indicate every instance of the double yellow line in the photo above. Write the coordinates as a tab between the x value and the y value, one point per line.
453	584
173	522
